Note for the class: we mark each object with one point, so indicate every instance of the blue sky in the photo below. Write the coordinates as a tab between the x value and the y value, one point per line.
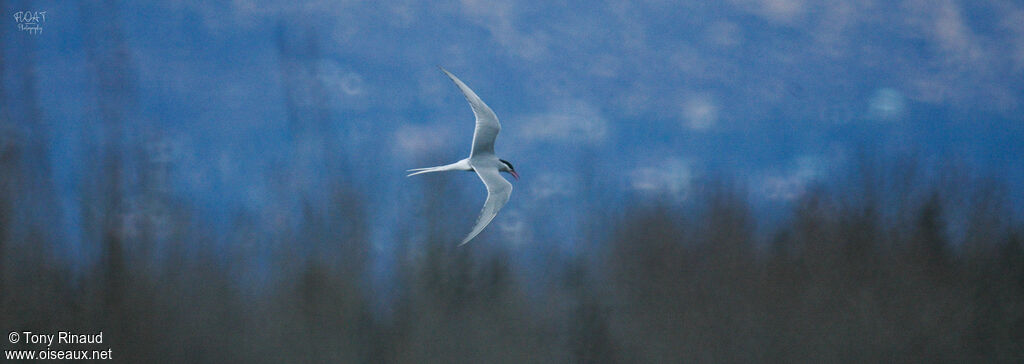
775	93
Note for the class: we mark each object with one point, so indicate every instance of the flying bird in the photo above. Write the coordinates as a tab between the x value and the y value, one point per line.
482	160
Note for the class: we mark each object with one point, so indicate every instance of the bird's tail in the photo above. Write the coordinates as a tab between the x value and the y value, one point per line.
457	166
416	171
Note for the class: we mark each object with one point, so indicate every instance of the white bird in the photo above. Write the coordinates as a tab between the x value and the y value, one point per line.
481	160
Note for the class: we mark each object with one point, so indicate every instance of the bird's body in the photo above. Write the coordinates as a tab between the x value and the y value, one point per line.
482	159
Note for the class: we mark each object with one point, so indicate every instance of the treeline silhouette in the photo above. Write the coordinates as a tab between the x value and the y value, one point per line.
923	272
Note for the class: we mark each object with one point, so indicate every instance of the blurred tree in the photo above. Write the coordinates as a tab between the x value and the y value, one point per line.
928	247
590	337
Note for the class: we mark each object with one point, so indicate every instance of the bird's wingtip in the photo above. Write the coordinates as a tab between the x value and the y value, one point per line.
469	238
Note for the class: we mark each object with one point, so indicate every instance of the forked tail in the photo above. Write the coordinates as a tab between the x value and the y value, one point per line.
416	171
457	166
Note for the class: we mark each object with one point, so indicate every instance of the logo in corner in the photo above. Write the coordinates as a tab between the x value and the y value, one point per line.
30	21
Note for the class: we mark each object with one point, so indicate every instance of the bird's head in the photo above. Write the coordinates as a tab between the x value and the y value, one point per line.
507	167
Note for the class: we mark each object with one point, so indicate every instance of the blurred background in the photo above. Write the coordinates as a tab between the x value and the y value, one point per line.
742	181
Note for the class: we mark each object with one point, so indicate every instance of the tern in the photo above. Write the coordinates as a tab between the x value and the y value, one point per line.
482	160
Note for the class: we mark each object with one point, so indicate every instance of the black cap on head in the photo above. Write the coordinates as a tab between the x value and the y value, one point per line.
507	163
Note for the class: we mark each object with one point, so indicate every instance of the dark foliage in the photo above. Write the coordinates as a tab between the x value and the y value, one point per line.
837	281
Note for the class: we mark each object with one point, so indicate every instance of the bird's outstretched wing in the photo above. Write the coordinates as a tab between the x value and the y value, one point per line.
498	191
487	126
